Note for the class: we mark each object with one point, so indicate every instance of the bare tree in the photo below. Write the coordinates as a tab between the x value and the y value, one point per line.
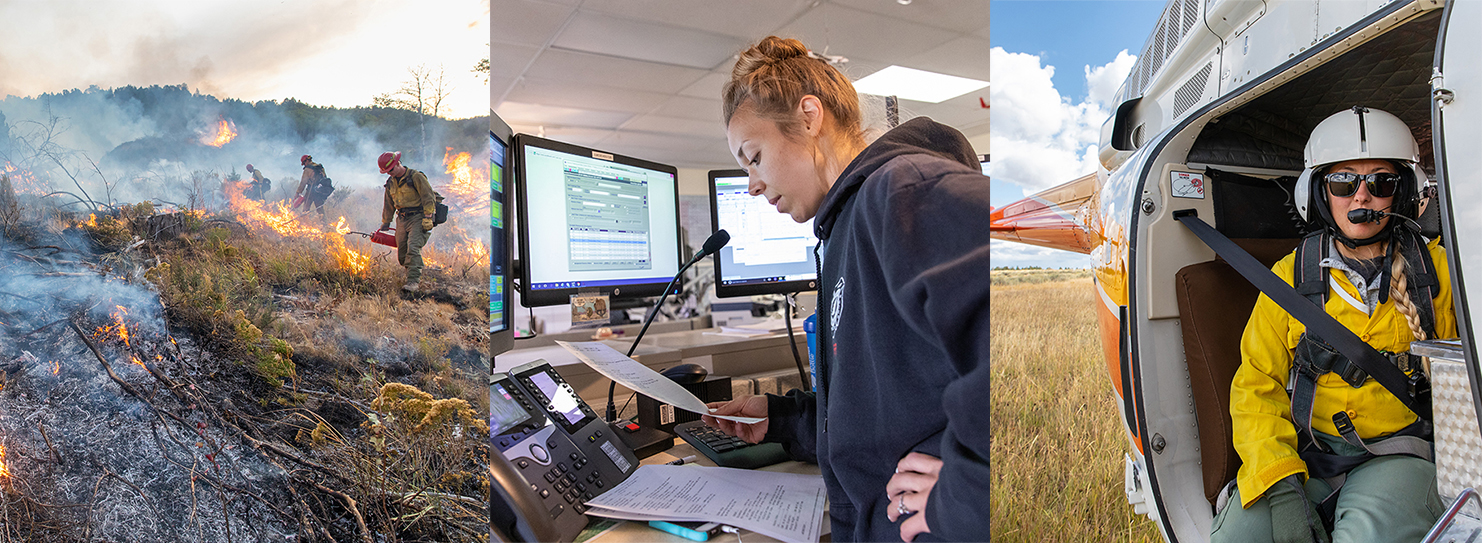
482	68
423	93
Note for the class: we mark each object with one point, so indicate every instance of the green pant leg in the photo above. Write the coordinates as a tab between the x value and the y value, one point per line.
1236	524
401	239
1390	498
416	238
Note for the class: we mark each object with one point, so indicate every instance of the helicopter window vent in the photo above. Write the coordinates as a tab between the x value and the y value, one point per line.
1189	94
1137	136
1191	15
1158	51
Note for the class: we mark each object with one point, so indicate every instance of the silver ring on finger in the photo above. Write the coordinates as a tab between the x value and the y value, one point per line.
900	507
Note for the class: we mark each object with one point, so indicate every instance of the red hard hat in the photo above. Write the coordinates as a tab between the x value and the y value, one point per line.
304	159
388	161
249	167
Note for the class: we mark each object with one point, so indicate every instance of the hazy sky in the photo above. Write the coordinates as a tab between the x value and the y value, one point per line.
322	52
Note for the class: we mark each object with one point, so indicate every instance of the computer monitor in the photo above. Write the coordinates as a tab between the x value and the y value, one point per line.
501	326
983	163
593	222
769	253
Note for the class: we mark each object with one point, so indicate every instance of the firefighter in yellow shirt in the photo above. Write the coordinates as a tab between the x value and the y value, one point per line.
1359	467
314	187
410	198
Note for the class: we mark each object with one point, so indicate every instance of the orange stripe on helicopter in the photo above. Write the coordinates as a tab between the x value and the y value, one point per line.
1052	218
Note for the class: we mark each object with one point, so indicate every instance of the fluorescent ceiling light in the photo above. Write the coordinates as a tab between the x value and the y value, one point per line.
918	85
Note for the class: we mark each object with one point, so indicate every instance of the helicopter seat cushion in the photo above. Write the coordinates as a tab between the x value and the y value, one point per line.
1214	303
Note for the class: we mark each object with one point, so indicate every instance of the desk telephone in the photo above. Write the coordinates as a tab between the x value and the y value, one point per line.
555	454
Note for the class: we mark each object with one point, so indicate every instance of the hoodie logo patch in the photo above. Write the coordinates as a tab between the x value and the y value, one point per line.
836	307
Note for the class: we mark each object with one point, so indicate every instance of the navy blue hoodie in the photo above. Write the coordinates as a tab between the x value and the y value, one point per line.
903	313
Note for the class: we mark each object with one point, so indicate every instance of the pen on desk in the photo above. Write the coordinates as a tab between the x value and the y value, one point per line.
682	461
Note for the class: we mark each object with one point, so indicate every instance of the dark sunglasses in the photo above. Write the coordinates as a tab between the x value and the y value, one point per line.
1345	184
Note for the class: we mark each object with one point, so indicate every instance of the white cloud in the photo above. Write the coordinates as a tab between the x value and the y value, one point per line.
1007	254
1103	81
1039	138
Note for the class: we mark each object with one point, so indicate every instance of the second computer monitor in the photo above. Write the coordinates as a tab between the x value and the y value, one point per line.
769	253
593	222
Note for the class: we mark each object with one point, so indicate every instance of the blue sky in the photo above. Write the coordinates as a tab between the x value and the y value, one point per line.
1040	141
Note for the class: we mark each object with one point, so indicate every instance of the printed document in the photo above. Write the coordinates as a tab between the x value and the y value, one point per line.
628	372
784	506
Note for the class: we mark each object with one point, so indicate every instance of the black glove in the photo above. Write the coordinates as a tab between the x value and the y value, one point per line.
1294	518
385	226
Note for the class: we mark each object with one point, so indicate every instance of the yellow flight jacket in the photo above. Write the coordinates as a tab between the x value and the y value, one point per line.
1261	411
410	190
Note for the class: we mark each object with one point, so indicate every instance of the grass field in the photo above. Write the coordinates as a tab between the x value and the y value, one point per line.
1057	440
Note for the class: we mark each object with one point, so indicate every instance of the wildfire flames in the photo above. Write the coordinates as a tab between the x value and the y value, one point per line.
469	187
4	468
119	328
347	258
278	217
226	130
22	181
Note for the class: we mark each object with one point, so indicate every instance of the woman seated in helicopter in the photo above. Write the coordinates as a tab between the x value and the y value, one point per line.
1327	452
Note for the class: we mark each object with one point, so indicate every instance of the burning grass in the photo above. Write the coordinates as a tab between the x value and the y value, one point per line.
305	395
1057	436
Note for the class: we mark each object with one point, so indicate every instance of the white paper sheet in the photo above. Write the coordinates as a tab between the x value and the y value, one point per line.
618	367
783	506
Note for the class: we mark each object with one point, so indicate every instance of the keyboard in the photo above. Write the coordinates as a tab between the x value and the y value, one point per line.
728	451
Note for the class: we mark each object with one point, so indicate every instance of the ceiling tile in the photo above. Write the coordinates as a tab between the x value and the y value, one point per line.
965	16
643	40
708	87
748	20
851	32
672	125
510	60
691	108
586	137
557	93
534	114
589	69
677	142
525	22
962	57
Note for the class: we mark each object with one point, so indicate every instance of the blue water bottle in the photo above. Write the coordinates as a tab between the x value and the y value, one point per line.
810	326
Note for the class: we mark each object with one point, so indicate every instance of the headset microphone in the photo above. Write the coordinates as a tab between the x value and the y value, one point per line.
1360	216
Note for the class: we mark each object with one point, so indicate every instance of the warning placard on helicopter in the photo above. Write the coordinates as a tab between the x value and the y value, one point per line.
1188	185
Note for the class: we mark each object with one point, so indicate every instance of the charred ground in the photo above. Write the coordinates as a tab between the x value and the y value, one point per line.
188	374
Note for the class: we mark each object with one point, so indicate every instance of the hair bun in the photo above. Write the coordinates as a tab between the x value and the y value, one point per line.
778	49
768	52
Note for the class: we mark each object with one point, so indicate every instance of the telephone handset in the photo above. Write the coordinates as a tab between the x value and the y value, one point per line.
555	454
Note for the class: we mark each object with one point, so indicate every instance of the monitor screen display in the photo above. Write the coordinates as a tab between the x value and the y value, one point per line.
499	250
983	163
504	411
594	221
769	253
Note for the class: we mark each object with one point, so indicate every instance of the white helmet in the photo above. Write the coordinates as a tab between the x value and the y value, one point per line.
1359	133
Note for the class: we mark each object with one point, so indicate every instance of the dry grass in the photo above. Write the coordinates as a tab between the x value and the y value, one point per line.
1058	443
1020	277
313	348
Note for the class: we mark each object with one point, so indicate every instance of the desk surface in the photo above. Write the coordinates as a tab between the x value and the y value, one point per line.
636	532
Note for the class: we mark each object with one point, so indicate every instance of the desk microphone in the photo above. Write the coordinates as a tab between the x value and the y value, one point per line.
712	244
